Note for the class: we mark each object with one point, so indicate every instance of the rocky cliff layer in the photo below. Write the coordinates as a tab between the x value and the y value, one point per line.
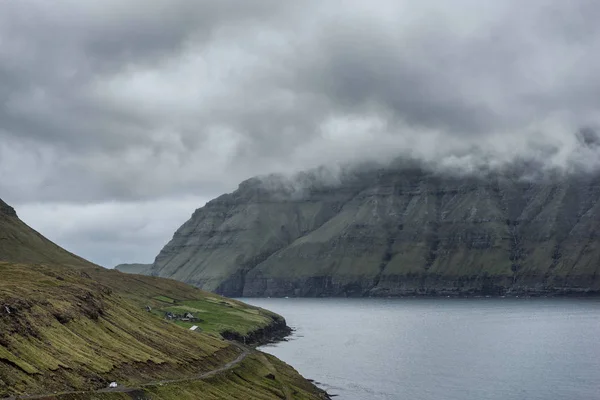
395	231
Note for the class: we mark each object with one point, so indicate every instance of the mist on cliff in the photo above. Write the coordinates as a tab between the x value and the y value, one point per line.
137	102
537	159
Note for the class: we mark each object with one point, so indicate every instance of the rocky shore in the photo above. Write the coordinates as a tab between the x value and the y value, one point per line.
276	331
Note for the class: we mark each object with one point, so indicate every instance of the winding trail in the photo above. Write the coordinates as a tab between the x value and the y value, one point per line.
124	389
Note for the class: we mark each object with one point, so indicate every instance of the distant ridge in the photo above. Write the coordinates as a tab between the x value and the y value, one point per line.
134	268
398	231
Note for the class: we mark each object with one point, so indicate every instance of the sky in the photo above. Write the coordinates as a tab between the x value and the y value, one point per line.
118	118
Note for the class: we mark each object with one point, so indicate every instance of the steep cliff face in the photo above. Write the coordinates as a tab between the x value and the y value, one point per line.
398	231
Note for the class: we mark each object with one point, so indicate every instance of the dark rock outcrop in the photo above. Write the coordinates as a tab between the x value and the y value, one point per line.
276	331
7	210
396	231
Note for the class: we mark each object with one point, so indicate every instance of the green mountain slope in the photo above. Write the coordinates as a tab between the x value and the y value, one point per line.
67	325
402	230
18	242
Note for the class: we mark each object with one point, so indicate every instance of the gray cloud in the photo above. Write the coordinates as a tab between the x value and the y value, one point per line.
111	233
130	102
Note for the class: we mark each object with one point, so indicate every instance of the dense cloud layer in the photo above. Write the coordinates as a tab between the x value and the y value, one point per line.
112	102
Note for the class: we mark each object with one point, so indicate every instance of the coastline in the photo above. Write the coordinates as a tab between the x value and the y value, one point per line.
440	294
277	331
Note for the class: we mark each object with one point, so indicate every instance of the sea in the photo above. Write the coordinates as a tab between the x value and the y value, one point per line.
451	349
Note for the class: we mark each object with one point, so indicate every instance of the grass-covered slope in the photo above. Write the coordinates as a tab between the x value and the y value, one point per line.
18	242
68	325
62	329
258	376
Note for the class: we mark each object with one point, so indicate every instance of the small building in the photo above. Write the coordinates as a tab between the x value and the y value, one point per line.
189	317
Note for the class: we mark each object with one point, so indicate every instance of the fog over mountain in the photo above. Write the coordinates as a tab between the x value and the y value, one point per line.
119	118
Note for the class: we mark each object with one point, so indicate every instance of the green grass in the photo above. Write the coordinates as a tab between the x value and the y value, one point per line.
74	326
217	315
78	333
165	299
79	328
259	376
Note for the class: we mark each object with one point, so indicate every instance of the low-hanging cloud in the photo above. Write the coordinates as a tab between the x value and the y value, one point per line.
134	101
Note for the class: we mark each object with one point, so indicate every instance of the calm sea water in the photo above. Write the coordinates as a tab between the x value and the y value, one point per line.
422	349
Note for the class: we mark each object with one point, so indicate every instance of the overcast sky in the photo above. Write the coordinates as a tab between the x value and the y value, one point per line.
119	117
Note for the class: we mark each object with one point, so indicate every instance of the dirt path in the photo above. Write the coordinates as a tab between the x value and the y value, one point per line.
123	389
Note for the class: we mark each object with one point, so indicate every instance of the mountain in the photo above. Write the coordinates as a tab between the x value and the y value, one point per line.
133	268
20	242
68	328
400	230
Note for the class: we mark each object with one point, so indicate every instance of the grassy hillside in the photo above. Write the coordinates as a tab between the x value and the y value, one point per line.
260	376
20	243
68	325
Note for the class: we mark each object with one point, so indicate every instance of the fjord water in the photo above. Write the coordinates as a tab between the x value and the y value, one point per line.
467	349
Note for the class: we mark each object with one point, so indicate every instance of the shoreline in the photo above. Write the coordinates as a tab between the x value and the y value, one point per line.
276	332
445	295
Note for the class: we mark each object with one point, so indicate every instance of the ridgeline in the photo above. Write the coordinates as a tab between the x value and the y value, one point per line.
404	230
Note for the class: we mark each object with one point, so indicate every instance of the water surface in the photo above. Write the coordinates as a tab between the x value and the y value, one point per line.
467	349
